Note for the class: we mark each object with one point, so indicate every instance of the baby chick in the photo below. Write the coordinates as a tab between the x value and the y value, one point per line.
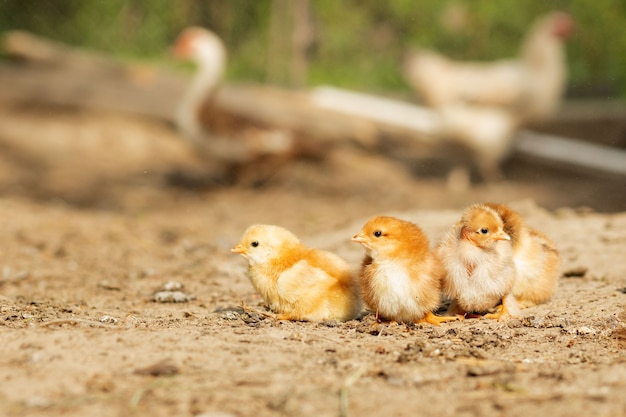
536	259
477	255
400	276
297	282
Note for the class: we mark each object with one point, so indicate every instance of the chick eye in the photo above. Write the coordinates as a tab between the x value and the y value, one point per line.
254	244
378	233
484	230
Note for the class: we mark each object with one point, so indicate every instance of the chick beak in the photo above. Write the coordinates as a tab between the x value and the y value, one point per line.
358	238
501	236
239	248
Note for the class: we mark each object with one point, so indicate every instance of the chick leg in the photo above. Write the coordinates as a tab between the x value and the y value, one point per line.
508	308
524	303
380	320
500	313
288	317
436	320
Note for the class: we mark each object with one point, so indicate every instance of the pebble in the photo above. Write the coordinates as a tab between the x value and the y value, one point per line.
172	297
171	293
108	319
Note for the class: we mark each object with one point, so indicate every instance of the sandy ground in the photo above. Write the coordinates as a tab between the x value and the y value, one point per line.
91	228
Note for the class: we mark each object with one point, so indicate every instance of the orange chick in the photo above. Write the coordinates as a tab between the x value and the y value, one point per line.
477	255
537	261
298	283
400	276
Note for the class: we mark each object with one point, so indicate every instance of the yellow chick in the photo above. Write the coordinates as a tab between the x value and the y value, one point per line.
477	255
400	276
537	261
297	282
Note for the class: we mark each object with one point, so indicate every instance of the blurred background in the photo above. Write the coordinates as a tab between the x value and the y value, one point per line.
74	129
355	44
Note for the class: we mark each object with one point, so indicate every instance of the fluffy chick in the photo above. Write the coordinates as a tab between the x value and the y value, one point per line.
297	282
477	255
537	261
400	276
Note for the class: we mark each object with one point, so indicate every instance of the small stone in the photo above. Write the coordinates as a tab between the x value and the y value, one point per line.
108	285
172	297
487	367
329	323
108	319
561	322
230	315
514	323
172	286
576	272
252	319
162	368
584	331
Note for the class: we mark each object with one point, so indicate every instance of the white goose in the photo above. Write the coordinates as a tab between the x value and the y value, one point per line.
225	135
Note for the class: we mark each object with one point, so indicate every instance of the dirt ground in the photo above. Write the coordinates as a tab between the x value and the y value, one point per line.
92	225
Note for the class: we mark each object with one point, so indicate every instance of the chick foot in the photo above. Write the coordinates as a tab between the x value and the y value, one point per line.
508	308
436	320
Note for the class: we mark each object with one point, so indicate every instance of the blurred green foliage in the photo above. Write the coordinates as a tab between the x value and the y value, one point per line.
357	43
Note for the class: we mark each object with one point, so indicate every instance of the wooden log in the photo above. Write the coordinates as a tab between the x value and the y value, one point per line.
82	89
392	117
294	110
41	51
424	123
571	152
52	73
